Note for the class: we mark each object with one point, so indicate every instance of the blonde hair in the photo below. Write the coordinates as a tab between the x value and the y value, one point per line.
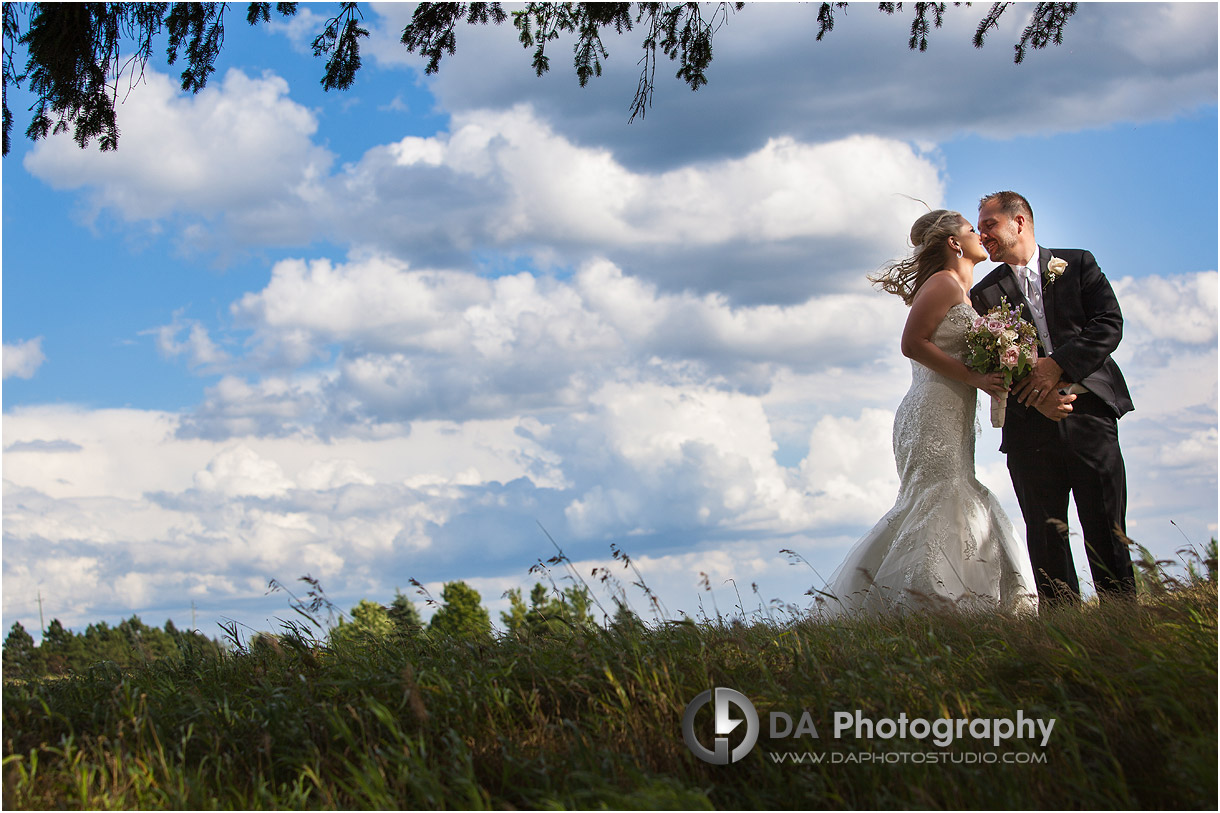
930	236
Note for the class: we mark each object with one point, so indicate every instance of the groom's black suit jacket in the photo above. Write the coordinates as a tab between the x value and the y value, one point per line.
1085	324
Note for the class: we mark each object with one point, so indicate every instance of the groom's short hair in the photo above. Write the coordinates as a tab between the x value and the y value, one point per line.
1010	203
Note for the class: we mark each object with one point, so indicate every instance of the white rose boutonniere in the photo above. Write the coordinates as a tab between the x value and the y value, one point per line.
1055	269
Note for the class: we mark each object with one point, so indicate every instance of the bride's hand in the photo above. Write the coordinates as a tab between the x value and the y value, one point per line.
990	383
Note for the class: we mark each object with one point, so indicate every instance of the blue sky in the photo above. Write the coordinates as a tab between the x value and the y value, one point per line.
382	334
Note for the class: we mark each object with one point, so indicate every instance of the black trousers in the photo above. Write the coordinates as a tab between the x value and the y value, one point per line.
1085	461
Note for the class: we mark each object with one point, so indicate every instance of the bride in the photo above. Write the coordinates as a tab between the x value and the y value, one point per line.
946	543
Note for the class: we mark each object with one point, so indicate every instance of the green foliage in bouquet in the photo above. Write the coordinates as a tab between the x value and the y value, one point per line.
1001	341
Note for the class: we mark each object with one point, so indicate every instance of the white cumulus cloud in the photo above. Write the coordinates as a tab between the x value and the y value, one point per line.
508	180
237	165
240	149
197	347
22	359
404	344
241	472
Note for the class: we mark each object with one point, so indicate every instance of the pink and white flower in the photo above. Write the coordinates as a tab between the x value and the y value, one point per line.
1001	341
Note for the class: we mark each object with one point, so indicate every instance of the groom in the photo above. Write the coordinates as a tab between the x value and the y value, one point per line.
1064	294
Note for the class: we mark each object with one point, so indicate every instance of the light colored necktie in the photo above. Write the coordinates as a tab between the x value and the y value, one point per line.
1033	294
1029	287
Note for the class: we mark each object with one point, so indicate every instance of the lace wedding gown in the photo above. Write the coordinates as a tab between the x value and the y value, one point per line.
946	543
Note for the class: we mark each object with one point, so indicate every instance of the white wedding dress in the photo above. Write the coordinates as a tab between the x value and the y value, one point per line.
946	543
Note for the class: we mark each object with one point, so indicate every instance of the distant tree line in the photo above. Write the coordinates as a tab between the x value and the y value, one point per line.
131	643
460	615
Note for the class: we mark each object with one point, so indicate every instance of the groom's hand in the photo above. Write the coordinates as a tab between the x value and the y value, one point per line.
1038	388
1057	407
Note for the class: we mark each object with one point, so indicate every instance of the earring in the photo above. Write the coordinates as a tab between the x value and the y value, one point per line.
960	253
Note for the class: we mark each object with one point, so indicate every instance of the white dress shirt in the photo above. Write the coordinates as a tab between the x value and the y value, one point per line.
1029	280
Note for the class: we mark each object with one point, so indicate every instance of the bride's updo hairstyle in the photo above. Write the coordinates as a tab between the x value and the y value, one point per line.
930	236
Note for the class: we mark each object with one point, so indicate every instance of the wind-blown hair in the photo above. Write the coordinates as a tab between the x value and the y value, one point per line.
930	236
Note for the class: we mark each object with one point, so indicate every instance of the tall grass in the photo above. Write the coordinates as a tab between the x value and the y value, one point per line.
591	718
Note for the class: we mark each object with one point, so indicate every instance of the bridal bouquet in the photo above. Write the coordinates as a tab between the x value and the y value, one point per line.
1001	341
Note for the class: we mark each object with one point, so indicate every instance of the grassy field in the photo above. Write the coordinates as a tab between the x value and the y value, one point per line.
592	719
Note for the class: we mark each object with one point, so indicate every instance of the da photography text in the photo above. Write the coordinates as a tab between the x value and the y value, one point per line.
732	709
